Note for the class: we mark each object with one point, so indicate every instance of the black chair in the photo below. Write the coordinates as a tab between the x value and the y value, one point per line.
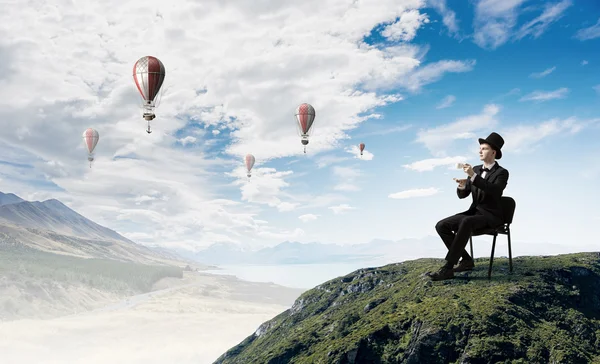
508	210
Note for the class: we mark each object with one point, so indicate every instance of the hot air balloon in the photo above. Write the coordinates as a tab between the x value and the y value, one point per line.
361	146
305	116
249	163
148	74
90	138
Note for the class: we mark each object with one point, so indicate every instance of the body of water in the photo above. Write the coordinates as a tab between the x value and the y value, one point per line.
295	275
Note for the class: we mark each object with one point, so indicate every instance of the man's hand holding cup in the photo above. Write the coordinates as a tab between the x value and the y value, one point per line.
466	167
462	182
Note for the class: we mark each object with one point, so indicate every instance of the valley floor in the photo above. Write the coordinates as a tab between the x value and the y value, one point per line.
189	320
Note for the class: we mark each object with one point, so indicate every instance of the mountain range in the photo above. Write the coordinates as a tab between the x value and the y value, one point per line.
313	253
53	227
52	215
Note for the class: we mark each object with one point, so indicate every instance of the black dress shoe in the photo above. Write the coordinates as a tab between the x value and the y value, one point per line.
464	265
442	274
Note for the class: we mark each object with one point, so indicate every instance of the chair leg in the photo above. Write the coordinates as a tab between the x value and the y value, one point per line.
492	257
509	250
471	242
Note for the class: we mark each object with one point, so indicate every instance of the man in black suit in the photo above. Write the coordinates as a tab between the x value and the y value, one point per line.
486	184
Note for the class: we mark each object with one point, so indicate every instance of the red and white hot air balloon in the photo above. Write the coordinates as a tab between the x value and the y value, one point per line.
149	75
361	146
249	163
90	138
305	117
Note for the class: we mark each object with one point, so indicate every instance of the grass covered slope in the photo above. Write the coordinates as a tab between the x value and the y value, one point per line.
546	311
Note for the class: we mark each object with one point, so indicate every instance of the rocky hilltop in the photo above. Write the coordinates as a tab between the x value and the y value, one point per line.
546	311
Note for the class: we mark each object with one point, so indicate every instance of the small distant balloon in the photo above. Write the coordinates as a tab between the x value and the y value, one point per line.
361	146
305	118
249	163
90	139
149	74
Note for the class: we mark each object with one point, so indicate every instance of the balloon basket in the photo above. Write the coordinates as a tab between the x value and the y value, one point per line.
149	116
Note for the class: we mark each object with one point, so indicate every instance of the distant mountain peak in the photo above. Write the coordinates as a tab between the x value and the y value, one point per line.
56	203
53	215
9	198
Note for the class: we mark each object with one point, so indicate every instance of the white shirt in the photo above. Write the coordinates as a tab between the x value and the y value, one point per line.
482	175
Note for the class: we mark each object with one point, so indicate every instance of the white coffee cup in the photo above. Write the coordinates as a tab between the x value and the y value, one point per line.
460	165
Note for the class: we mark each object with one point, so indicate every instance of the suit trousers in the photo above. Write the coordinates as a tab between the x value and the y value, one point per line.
456	230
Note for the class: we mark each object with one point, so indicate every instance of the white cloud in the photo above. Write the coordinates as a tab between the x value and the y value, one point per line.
446	102
188	140
264	187
513	92
286	206
418	192
437	139
234	75
495	21
542	96
308	217
433	72
405	28
597	89
518	138
523	138
591	32
448	16
552	13
432	163
341	209
584	62
542	74
355	151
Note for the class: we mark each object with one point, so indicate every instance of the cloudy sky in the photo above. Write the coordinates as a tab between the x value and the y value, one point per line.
417	81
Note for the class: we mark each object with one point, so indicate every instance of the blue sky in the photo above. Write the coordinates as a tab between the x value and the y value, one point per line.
501	76
420	74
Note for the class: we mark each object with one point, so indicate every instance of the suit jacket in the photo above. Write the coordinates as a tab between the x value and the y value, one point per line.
490	191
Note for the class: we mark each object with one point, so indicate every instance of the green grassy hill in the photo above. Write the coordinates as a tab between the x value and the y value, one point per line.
546	311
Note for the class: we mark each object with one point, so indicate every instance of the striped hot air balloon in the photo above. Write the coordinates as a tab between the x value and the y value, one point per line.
305	117
90	139
249	163
149	75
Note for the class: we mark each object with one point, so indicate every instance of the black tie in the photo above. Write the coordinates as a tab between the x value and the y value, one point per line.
484	170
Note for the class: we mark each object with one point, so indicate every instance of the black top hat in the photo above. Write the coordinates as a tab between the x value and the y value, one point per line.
495	141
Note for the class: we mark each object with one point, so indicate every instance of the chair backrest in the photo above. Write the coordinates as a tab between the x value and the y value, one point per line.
508	208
